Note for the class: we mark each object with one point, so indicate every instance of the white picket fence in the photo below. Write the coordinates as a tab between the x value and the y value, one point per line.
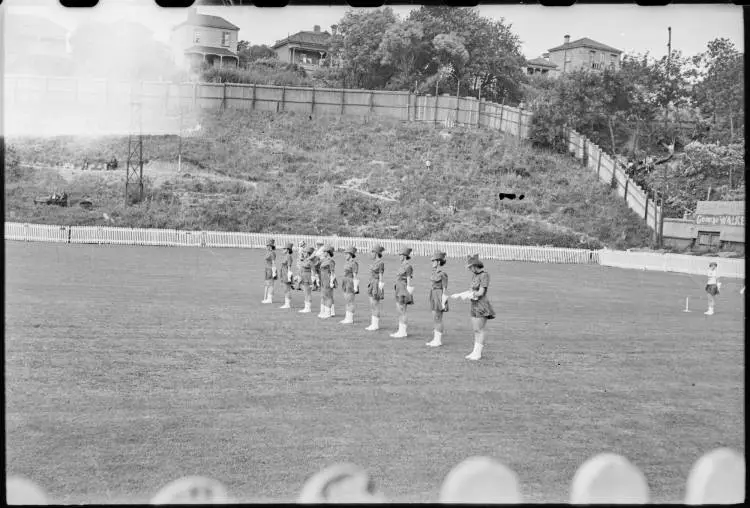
729	268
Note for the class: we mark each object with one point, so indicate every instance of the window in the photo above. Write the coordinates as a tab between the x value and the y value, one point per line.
708	238
196	37
225	38
592	54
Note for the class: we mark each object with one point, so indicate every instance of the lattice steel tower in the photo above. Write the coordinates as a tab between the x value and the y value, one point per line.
134	166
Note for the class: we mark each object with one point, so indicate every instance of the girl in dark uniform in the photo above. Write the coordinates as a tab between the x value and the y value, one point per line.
306	278
376	287
287	263
270	272
404	291
350	283
438	297
328	282
481	309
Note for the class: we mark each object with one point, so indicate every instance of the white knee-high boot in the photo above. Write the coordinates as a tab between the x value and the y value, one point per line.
307	308
349	319
374	324
287	303
437	339
476	354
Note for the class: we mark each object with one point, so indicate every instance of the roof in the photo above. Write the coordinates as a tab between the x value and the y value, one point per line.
541	62
720	208
585	43
211	50
210	21
319	39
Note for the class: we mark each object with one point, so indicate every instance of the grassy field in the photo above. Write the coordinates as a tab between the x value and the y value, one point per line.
128	367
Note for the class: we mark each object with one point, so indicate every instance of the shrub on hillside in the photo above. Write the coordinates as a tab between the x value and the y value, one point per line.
259	73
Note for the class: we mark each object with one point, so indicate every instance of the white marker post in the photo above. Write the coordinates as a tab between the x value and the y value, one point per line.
687	304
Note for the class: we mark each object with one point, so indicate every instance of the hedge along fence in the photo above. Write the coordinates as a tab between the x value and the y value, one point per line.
608	170
730	268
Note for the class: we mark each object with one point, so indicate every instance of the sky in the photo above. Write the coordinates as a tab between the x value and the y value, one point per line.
631	28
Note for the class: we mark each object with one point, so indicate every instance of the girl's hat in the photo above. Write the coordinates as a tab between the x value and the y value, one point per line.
438	256
271	242
309	250
289	246
713	263
378	249
351	250
406	251
329	249
474	261
319	243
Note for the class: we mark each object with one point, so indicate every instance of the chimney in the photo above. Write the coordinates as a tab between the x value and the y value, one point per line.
546	56
567	39
316	28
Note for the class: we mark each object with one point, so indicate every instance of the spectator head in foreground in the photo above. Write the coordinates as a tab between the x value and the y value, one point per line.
20	491
192	490
608	478
340	483
481	480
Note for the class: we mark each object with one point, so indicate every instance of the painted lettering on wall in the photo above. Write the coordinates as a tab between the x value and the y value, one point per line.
720	220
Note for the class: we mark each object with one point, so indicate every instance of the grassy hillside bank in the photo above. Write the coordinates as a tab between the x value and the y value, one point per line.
251	171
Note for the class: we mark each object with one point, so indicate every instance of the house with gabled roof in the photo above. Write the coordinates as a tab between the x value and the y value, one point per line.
205	40
305	48
586	54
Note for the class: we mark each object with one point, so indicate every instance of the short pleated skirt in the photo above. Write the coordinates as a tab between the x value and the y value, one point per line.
402	295
269	274
436	301
482	308
347	285
373	291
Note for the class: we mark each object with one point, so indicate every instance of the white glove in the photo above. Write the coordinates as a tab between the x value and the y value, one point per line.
356	285
444	300
718	285
410	289
273	271
333	281
289	276
381	286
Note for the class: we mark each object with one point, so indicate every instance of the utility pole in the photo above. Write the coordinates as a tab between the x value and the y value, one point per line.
660	234
134	166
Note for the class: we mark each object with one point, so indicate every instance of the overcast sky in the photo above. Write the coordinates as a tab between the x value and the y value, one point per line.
627	27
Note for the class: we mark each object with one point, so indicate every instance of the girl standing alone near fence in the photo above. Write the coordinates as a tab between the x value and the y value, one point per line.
270	271
404	290
481	309
350	283
712	287
376	287
287	262
438	297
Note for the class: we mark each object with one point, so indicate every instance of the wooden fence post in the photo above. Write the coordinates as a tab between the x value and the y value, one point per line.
599	163
224	97
372	102
436	109
479	113
645	217
312	105
627	181
458	108
614	172
343	100
502	111
408	106
195	95
252	104
283	97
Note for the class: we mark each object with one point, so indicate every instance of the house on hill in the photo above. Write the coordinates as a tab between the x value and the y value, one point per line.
584	54
541	66
36	45
307	49
205	40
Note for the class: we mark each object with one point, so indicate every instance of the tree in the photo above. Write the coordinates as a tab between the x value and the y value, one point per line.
451	55
250	53
356	44
400	48
720	89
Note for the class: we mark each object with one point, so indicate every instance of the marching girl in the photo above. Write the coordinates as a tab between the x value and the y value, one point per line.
376	287
287	264
300	257
270	274
438	297
306	278
481	309
328	282
350	283
404	290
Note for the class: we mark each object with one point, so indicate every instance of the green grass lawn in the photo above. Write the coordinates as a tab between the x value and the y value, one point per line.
128	367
